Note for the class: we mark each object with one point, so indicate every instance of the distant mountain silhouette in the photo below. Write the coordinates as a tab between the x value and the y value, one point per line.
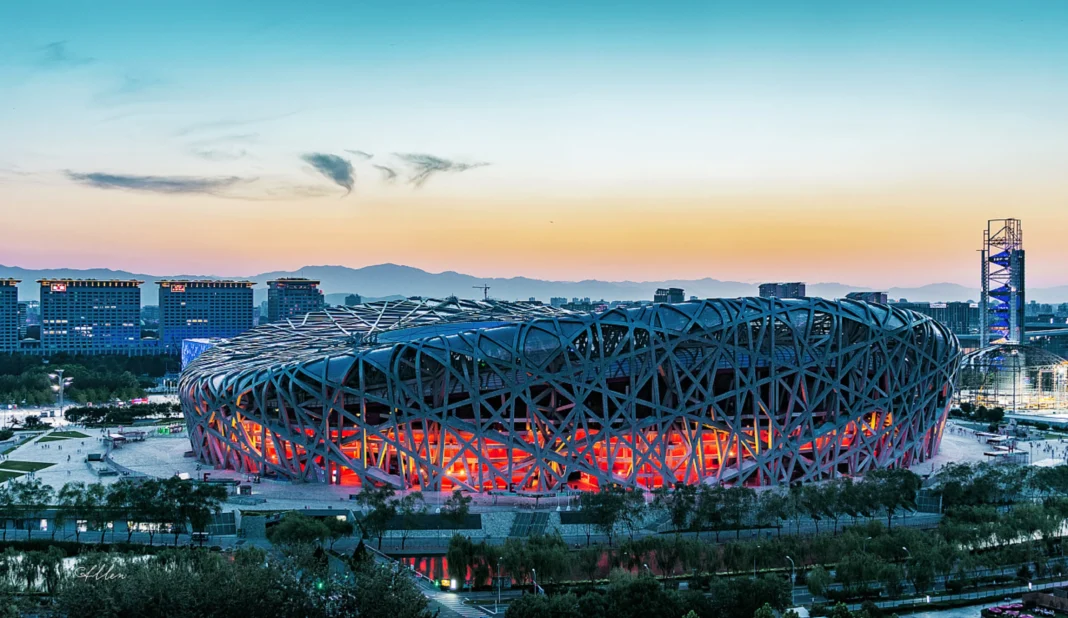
392	280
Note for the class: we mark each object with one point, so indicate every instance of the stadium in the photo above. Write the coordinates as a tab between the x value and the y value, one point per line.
508	396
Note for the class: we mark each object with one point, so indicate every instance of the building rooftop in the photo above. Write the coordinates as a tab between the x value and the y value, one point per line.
92	282
293	280
164	283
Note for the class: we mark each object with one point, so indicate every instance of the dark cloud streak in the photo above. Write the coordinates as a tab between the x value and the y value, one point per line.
57	55
155	184
388	173
425	166
335	168
359	153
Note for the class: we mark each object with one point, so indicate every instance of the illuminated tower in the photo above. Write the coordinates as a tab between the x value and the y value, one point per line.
1002	302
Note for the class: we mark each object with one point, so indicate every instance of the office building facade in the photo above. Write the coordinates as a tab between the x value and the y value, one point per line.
794	289
292	298
9	315
868	297
90	316
203	310
961	318
669	295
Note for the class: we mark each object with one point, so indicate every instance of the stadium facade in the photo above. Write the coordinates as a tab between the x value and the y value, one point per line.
486	395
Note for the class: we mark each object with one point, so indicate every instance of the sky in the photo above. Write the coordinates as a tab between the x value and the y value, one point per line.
858	142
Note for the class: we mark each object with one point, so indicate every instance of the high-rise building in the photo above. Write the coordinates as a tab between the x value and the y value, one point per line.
795	289
90	316
669	295
292	297
9	315
203	310
868	297
352	300
963	318
557	301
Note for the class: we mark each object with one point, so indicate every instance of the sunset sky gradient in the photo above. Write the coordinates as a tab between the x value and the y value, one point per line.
858	142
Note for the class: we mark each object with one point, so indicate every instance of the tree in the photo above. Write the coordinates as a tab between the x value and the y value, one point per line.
51	566
634	509
742	597
772	508
94	504
765	611
679	503
376	591
603	509
380	510
7	506
456	509
738	505
297	529
147	504
894	489
710	513
32	496
338	528
200	504
410	509
818	580
68	501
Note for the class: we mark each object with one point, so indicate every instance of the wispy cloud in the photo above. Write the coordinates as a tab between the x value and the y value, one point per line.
58	54
129	86
213	125
333	167
425	166
360	153
224	148
155	184
388	173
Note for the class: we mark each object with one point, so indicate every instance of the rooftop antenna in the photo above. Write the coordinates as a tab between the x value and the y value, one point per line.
485	290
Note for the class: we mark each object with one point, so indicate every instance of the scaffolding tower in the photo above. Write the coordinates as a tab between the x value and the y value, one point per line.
1003	297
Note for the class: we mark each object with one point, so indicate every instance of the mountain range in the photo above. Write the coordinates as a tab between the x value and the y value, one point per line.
387	281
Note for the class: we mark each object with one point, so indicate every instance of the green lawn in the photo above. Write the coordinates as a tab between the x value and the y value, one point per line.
67	434
7	475
23	466
51	439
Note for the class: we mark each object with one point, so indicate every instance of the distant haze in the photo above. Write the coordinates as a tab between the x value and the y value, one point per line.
391	280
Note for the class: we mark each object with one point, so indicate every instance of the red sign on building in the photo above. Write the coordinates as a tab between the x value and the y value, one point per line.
59	287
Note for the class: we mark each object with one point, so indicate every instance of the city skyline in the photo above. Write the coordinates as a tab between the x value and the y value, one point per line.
835	142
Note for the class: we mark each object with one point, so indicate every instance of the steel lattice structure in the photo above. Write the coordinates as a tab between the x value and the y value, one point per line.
487	395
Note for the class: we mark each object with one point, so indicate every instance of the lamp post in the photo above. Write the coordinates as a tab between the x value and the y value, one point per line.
754	560
909	554
793	580
497	609
534	572
864	545
60	386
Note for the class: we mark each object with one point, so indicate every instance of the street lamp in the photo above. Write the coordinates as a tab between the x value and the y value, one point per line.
793	580
907	552
59	386
497	609
864	545
534	572
754	560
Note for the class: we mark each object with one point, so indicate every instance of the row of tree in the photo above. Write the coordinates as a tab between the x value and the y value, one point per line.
640	596
169	504
121	415
715	508
209	585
